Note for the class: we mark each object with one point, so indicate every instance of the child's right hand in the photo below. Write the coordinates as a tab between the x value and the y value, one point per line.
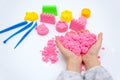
90	58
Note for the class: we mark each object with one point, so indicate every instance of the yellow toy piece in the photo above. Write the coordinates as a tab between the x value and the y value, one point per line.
31	16
66	15
86	12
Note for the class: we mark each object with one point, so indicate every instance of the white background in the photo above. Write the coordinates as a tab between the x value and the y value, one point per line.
24	63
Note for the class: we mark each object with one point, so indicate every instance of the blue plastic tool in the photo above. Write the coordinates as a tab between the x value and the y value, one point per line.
19	31
14	26
25	35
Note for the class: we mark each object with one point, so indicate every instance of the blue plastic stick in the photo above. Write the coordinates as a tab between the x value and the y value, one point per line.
19	31
14	26
25	35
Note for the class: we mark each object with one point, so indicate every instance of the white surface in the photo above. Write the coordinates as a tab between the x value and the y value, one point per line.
24	63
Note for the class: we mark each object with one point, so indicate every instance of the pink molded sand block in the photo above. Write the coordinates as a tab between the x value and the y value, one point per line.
79	24
50	52
47	18
42	30
83	20
61	26
77	42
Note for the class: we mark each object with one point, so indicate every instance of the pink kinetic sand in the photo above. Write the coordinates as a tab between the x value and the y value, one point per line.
79	24
50	52
103	48
47	18
61	26
42	30
77	42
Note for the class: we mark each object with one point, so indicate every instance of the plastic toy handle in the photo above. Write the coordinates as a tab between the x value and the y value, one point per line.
14	26
25	35
21	30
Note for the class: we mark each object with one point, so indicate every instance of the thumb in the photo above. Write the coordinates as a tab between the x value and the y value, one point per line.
60	46
99	40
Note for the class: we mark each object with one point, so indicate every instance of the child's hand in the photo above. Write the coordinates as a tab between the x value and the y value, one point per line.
90	58
73	61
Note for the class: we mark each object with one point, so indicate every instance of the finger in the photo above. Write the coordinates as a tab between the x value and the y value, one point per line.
99	40
60	46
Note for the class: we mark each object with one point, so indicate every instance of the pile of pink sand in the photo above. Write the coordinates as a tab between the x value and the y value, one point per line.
50	52
77	42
